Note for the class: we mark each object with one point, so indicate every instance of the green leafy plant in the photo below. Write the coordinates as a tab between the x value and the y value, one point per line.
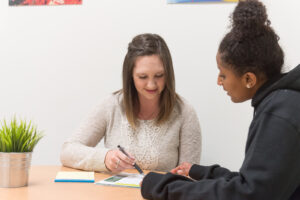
18	136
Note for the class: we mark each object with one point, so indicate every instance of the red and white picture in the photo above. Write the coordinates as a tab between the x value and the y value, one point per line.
43	2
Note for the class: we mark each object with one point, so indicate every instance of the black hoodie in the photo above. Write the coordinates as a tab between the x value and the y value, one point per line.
271	168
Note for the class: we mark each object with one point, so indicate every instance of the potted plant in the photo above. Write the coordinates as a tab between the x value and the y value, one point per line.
17	141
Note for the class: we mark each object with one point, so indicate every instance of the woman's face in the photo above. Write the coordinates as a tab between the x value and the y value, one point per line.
149	77
235	86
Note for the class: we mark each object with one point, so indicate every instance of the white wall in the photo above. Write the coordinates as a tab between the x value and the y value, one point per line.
56	63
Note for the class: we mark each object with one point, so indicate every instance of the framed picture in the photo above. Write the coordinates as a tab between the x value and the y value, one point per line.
43	2
194	1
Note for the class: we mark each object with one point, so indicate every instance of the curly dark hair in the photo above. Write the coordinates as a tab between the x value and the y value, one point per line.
252	44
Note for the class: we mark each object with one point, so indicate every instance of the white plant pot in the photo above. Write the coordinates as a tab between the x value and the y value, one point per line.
14	169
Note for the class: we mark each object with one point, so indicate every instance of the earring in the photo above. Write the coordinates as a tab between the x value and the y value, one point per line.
248	86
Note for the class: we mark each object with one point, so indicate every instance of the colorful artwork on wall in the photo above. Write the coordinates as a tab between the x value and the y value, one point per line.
194	1
43	2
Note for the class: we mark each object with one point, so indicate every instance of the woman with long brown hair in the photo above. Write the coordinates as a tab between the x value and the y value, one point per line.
158	128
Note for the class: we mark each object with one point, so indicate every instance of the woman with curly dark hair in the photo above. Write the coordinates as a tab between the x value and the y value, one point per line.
250	62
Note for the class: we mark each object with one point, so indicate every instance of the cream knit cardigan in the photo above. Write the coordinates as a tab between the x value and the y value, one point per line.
154	147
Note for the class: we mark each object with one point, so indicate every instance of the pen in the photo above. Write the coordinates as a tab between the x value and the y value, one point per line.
135	165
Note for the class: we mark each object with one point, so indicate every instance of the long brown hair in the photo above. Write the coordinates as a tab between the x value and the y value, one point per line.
146	45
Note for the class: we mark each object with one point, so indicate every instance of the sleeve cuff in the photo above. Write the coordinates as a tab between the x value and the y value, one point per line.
197	172
97	160
149	181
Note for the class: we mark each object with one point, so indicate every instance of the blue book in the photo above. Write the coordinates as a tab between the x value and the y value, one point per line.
84	177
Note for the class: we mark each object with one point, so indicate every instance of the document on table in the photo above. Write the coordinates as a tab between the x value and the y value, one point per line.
123	180
87	177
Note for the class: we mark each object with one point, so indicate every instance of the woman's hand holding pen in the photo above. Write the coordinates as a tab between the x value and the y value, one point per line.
182	169
116	161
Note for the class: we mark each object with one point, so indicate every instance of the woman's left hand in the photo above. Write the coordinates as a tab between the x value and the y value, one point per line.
182	169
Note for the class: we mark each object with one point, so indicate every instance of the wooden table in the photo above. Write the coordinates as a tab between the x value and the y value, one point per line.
41	186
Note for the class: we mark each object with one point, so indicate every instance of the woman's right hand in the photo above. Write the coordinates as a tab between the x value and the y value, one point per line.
182	169
116	161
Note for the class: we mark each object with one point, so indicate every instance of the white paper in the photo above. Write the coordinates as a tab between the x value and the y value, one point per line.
123	180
